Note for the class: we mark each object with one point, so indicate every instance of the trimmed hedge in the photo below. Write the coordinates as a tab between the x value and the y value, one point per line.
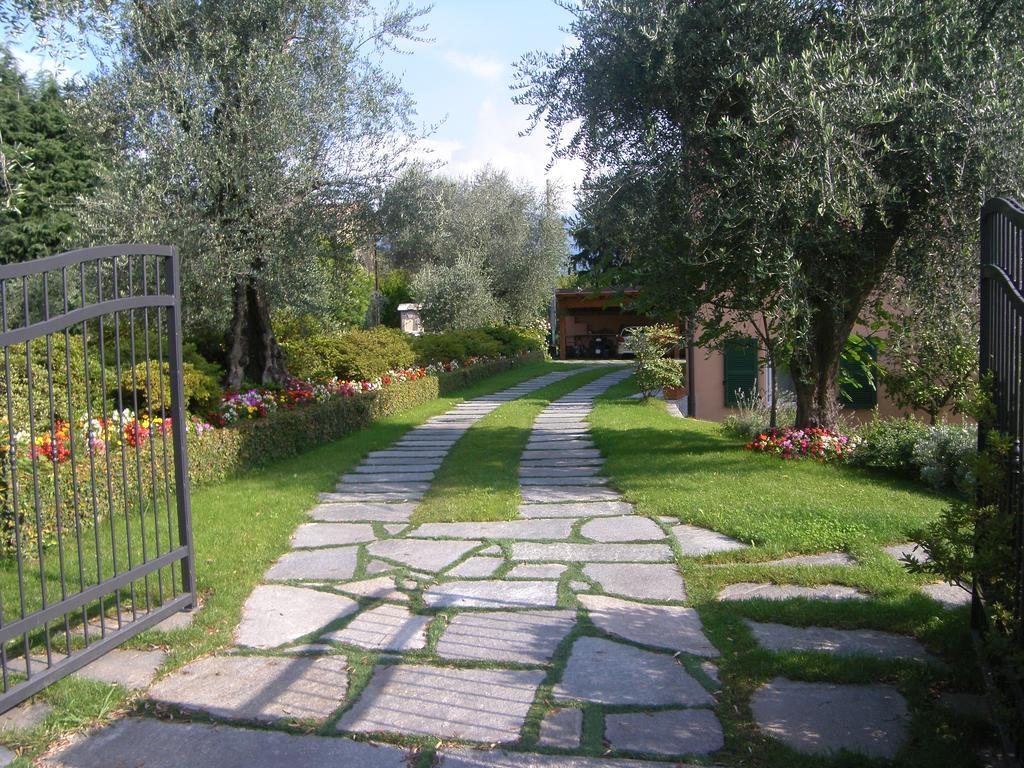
221	453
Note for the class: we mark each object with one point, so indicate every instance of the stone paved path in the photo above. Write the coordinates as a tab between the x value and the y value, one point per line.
568	625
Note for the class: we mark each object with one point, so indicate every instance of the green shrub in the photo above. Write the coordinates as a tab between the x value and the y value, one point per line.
945	456
514	340
372	353
438	348
889	444
752	416
314	357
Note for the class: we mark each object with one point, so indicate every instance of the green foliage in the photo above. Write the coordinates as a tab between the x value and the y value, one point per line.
517	340
46	163
889	444
394	290
650	344
372	353
946	456
752	415
439	348
489	341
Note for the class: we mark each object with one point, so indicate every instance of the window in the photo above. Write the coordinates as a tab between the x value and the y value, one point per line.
741	366
860	388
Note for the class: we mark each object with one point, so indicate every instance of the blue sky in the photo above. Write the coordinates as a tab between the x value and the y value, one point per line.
460	81
462	78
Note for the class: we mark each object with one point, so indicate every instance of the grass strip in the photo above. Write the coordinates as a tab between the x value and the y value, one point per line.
479	478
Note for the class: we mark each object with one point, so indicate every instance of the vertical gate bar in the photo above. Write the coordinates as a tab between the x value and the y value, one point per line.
149	414
163	414
13	455
181	483
122	436
55	457
34	458
76	499
106	440
90	445
138	428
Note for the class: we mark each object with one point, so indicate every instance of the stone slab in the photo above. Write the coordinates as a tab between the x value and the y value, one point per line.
631	528
661	626
492	594
950	595
669	732
387	478
583	509
527	462
363	512
277	614
497	759
25	716
543	454
332	564
408	453
332	534
125	667
380	588
592	553
554	494
640	678
160	744
486	705
537	530
394	528
752	591
257	688
537	571
861	642
179	620
476	567
375	466
520	637
642	581
821	559
823	718
6	757
372	498
366	486
385	628
697	542
528	482
530	470
422	555
561	728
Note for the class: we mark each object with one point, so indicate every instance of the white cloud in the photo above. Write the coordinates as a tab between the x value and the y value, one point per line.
478	66
33	64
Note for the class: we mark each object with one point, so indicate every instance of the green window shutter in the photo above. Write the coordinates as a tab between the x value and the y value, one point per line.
740	369
864	394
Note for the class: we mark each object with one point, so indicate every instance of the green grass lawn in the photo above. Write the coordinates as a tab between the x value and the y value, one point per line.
696	472
479	479
240	527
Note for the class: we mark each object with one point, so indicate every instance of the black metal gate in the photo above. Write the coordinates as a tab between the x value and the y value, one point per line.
95	523
1002	367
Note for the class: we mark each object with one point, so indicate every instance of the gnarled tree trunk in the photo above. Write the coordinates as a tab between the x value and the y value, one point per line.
254	354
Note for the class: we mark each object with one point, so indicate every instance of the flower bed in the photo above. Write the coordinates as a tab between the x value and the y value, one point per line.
818	444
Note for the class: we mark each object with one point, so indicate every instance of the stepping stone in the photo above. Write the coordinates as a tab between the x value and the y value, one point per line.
862	642
313	649
521	637
696	542
6	757
645	582
276	614
538	571
672	732
334	564
476	567
372	498
386	478
592	553
379	566
409	453
381	588
385	628
538	453
823	718
661	626
422	555
752	591
823	559
565	481
366	486
711	670
585	509
373	466
137	741
910	549
395	529
561	728
258	688
579	586
125	667
527	462
468	758
487	705
632	528
179	620
492	594
513	529
950	595
363	512
569	443
555	494
564	471
25	716
604	672
332	534
494	549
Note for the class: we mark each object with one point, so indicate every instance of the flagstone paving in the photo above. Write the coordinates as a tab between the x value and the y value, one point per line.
485	633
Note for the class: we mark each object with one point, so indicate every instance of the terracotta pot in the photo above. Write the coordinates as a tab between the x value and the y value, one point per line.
675	393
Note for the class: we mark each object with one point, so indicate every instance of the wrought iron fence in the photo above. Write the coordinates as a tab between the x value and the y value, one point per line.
1002	367
95	523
